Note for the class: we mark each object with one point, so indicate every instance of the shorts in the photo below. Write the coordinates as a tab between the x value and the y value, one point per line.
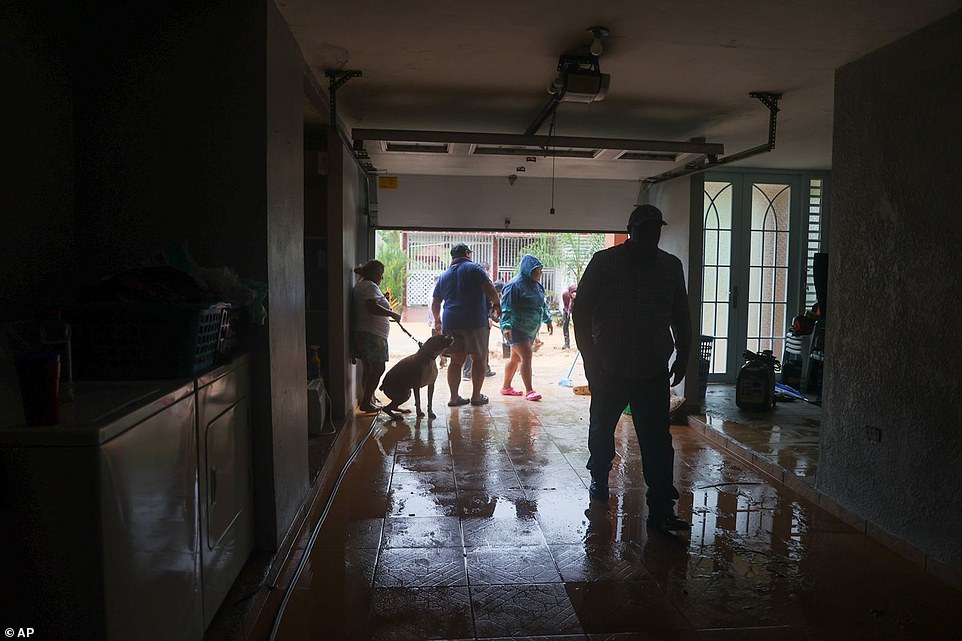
371	347
520	338
470	341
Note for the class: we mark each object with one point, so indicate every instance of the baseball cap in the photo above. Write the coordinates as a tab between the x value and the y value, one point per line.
460	250
646	214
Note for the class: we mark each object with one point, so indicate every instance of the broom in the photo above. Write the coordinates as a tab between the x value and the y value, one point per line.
566	381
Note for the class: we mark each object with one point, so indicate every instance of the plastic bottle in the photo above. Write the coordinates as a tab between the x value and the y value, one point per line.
314	363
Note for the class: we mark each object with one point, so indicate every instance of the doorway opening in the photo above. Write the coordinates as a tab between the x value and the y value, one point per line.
761	232
414	259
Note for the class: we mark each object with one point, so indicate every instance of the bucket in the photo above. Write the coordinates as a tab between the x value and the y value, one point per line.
704	364
755	385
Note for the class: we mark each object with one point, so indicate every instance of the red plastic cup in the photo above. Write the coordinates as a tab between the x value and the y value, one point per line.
39	376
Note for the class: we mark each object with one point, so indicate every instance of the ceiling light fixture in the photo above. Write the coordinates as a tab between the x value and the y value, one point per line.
597	33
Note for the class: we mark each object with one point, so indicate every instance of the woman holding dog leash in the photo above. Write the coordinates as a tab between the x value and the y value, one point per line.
372	312
523	309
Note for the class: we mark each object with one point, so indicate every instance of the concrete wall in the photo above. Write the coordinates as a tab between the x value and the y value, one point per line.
673	198
284	130
680	202
343	201
36	184
171	117
173	123
895	293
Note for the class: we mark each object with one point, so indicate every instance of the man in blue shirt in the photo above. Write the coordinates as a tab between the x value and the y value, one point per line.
460	309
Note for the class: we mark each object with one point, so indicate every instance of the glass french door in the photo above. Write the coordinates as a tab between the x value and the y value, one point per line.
751	234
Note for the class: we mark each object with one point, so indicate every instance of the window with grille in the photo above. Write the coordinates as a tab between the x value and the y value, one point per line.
813	240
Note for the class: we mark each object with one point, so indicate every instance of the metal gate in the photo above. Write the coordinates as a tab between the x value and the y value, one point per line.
511	247
429	254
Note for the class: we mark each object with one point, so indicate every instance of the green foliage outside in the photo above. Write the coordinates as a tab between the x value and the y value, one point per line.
545	248
388	251
578	249
566	252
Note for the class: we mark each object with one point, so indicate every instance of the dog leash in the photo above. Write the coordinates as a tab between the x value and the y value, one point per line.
420	344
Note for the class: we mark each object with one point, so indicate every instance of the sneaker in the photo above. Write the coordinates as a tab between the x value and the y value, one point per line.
669	523
491	373
465	377
598	491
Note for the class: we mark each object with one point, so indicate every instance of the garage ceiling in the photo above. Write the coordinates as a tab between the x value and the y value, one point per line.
678	71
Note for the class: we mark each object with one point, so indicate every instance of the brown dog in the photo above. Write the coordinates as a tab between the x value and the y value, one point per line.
412	373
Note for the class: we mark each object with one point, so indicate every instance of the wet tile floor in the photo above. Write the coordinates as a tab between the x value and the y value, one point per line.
786	437
477	525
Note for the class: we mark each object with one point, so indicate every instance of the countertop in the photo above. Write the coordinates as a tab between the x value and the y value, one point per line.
101	410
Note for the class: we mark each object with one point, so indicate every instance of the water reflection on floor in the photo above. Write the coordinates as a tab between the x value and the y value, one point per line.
478	525
785	437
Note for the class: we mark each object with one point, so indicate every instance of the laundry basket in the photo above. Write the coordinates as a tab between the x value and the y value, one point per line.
130	340
704	364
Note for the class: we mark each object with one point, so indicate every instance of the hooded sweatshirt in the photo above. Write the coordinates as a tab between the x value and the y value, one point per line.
523	307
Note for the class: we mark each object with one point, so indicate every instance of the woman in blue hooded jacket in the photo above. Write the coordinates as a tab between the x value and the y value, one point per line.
523	309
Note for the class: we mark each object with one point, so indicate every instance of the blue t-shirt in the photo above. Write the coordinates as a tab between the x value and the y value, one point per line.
465	305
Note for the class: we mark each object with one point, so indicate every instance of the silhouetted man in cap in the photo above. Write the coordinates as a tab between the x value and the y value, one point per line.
632	313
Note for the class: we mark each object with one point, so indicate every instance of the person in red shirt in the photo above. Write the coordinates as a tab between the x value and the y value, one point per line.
567	300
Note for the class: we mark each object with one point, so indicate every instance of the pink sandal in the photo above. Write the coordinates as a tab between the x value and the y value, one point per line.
532	396
510	391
